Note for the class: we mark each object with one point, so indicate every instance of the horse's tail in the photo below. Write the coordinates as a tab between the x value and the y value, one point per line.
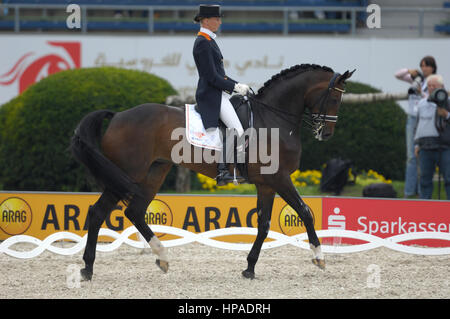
85	149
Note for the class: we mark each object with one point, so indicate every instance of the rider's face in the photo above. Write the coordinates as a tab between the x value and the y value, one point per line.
212	24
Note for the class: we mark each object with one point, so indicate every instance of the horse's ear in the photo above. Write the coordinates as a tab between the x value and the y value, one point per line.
345	76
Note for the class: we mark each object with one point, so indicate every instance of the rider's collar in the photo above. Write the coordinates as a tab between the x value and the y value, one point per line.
208	32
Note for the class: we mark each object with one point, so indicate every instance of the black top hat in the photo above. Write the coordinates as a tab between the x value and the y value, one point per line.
208	11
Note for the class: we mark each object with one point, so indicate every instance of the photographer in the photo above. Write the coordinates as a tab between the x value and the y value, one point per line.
432	142
417	90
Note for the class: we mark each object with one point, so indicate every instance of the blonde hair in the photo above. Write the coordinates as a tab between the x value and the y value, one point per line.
436	77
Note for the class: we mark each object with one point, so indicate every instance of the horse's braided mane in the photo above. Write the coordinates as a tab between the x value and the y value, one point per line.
292	71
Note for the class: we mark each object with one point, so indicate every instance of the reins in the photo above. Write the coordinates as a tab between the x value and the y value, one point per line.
317	120
274	109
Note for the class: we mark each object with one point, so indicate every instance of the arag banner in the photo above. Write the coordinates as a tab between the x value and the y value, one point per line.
42	214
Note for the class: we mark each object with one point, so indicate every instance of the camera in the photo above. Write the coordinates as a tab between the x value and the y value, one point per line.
417	84
440	97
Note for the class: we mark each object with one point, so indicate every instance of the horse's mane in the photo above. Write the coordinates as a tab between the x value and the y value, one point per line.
291	72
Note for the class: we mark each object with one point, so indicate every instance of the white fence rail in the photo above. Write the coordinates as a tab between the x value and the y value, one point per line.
206	238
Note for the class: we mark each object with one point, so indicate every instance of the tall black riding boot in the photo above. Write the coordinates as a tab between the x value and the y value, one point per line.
223	175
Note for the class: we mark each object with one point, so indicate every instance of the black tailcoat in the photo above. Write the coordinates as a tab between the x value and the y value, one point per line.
212	79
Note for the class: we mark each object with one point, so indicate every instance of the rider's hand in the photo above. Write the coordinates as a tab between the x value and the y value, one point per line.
242	89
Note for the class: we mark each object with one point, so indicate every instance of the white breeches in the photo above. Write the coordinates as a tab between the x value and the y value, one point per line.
229	118
228	114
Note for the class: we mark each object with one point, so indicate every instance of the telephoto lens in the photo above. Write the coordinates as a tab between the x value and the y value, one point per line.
440	97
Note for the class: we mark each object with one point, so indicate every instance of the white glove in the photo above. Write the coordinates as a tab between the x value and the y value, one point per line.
241	89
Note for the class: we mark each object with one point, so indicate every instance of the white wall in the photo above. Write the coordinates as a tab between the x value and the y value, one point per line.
251	60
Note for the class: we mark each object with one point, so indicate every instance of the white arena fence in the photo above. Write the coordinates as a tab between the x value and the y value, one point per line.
206	238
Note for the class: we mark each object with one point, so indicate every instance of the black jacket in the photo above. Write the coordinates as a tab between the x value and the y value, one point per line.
443	127
212	79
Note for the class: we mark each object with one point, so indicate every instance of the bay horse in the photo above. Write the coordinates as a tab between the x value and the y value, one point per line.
131	159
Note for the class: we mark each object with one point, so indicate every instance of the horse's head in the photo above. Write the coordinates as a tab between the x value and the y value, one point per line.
323	101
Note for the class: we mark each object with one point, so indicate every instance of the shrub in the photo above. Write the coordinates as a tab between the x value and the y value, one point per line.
309	177
298	178
372	135
38	124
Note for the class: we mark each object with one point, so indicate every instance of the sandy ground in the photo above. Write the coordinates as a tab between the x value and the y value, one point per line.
199	271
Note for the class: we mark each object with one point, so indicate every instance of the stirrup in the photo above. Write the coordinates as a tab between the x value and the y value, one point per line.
237	179
223	177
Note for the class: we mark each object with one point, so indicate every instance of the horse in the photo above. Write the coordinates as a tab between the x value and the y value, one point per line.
132	157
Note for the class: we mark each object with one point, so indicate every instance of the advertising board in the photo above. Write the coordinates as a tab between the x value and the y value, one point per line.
25	59
42	214
386	217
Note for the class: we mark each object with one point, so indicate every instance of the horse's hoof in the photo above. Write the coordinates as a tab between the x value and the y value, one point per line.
319	263
86	275
248	274
163	265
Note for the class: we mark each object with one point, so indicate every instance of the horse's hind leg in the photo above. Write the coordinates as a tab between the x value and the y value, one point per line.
96	215
136	210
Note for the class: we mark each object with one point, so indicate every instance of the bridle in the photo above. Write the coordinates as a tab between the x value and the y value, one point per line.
317	120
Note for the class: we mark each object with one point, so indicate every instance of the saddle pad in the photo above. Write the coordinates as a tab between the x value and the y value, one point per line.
196	133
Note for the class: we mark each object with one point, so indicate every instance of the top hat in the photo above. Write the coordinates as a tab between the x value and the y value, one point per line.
208	11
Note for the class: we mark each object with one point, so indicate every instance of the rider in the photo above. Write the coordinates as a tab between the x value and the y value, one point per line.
214	87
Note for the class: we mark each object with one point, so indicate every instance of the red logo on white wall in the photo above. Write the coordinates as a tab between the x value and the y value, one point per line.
33	67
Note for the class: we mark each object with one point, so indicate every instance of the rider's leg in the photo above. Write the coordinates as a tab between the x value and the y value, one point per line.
230	119
228	115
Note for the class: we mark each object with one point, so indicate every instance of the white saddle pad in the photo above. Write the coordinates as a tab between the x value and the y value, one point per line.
196	133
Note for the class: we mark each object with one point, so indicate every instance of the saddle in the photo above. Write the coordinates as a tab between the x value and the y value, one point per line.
244	112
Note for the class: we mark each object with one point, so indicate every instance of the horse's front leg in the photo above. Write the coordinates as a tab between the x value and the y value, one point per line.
264	208
289	193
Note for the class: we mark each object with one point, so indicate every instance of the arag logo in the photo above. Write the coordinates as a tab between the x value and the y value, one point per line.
158	213
16	216
290	222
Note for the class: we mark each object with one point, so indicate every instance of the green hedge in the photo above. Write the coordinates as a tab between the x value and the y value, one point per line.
372	135
38	124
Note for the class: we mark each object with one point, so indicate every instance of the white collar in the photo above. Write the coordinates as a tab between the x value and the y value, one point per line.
208	32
